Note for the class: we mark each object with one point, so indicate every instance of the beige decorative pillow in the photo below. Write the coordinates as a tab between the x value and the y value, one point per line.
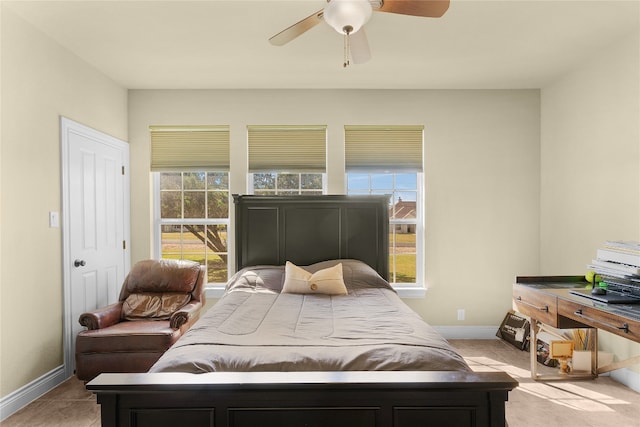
328	281
153	305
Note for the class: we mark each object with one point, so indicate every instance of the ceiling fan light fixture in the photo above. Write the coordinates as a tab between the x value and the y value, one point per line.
347	16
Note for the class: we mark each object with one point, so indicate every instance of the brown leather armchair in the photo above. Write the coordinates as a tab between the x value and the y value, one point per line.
158	302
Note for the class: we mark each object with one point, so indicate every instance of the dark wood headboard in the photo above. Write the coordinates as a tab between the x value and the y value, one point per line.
271	230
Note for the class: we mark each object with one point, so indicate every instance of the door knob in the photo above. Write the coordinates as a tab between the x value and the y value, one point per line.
79	263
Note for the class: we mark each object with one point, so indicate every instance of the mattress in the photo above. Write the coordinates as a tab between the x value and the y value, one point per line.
256	327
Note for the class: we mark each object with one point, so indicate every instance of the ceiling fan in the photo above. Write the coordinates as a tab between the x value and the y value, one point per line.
348	16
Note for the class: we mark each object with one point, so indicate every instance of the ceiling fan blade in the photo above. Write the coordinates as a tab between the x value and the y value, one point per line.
297	29
427	8
359	47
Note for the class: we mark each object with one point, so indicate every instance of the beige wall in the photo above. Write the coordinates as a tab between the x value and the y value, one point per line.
40	82
481	175
590	164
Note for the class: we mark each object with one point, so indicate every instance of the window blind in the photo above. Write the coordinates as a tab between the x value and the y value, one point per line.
184	148
295	148
383	148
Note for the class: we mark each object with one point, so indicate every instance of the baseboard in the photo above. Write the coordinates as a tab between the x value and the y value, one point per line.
468	332
13	402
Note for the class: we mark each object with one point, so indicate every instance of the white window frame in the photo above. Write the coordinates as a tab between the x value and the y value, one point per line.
405	290
213	290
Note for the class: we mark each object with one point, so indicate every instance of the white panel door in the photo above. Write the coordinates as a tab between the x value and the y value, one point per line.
96	223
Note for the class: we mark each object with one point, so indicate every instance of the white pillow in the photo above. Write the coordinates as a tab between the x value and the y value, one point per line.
328	281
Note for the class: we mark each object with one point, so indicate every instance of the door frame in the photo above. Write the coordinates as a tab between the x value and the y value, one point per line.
67	126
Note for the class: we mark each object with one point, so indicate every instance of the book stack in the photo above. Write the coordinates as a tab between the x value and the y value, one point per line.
618	263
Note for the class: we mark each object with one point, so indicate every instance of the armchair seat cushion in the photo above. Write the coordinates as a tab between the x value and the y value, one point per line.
128	336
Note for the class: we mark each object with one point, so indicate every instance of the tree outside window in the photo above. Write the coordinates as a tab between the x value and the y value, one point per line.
194	219
284	183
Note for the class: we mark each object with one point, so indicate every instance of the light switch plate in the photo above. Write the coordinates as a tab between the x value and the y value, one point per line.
54	219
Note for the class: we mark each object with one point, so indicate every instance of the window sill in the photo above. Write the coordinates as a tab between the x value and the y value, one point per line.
216	291
410	291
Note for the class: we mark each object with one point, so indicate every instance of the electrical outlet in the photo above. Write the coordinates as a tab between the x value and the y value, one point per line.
461	314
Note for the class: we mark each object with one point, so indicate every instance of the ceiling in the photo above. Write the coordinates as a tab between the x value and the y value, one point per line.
224	44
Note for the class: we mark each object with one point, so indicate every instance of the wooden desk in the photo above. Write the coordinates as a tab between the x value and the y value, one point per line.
547	300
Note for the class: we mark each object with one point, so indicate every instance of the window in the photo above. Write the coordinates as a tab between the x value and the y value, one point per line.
388	160
193	219
287	159
283	183
404	215
190	167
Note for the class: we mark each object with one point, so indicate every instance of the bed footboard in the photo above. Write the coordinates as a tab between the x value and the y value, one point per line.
314	399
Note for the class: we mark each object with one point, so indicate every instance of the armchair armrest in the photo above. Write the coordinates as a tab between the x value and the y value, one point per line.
186	315
102	317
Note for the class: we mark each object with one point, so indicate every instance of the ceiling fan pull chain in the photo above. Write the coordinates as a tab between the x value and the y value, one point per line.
347	30
346	50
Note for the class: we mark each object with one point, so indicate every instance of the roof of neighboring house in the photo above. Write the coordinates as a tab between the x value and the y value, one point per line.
403	209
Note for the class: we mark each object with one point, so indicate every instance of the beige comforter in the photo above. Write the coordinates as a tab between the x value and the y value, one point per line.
254	327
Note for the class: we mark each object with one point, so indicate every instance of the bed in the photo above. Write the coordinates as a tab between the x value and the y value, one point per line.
277	351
